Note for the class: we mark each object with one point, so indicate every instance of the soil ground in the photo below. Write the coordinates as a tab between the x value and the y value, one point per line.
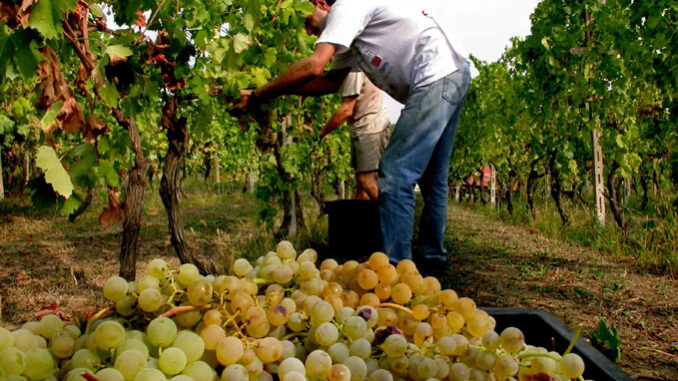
48	263
514	266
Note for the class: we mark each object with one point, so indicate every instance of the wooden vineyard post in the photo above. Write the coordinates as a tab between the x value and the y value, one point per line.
217	168
2	186
341	189
457	193
493	185
598	174
251	181
627	190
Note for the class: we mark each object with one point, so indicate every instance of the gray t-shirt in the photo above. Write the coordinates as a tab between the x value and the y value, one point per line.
369	115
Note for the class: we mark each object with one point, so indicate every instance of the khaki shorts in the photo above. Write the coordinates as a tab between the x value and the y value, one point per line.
366	150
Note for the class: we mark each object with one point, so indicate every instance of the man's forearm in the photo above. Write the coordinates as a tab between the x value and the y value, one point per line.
339	117
299	73
327	83
335	121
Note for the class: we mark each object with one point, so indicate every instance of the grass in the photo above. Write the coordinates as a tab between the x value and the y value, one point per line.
651	241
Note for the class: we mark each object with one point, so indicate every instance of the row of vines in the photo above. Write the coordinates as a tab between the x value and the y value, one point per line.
609	67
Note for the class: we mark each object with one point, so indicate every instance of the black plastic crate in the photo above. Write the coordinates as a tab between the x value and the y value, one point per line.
354	229
545	330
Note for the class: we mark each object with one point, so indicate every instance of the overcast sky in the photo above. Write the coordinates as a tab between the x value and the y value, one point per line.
483	26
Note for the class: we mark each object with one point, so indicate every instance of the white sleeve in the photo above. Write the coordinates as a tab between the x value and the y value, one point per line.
352	84
344	23
343	60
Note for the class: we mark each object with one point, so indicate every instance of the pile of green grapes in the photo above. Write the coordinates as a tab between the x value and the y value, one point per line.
285	318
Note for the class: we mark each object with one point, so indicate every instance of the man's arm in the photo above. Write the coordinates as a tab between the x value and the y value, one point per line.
340	116
327	83
297	75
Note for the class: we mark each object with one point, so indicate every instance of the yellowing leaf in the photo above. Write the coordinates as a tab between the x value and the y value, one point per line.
48	121
240	42
55	174
118	53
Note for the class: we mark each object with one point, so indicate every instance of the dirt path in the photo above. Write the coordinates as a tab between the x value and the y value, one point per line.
513	266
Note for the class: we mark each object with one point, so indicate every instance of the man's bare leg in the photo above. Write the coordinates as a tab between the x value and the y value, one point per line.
368	182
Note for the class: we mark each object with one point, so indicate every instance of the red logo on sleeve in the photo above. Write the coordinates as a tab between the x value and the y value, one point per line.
376	61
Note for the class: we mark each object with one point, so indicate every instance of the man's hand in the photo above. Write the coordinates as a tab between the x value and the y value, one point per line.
248	101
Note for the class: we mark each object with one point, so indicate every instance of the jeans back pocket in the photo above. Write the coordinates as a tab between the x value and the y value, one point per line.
455	86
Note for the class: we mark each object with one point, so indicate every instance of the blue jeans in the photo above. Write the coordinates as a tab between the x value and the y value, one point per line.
419	152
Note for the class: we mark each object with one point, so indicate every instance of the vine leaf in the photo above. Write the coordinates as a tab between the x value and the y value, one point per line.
118	53
607	338
112	213
53	86
70	117
240	42
55	173
94	128
45	16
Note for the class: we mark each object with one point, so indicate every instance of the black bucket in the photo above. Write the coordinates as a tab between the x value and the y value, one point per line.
545	330
354	229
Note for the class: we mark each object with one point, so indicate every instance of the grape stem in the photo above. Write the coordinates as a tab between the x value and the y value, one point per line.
175	292
182	309
340	327
88	376
96	317
530	355
230	318
574	340
396	307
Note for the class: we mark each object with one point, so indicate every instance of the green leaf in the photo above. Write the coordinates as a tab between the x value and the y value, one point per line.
45	19
96	10
70	205
248	21
201	39
260	76
619	140
304	7
49	119
240	42
109	94
24	129
118	52
608	338
83	162
270	57
46	16
545	42
634	160
109	174
6	124
55	174
243	80
26	55
198	87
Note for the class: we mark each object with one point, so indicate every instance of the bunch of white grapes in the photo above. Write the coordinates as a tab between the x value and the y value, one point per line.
286	318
